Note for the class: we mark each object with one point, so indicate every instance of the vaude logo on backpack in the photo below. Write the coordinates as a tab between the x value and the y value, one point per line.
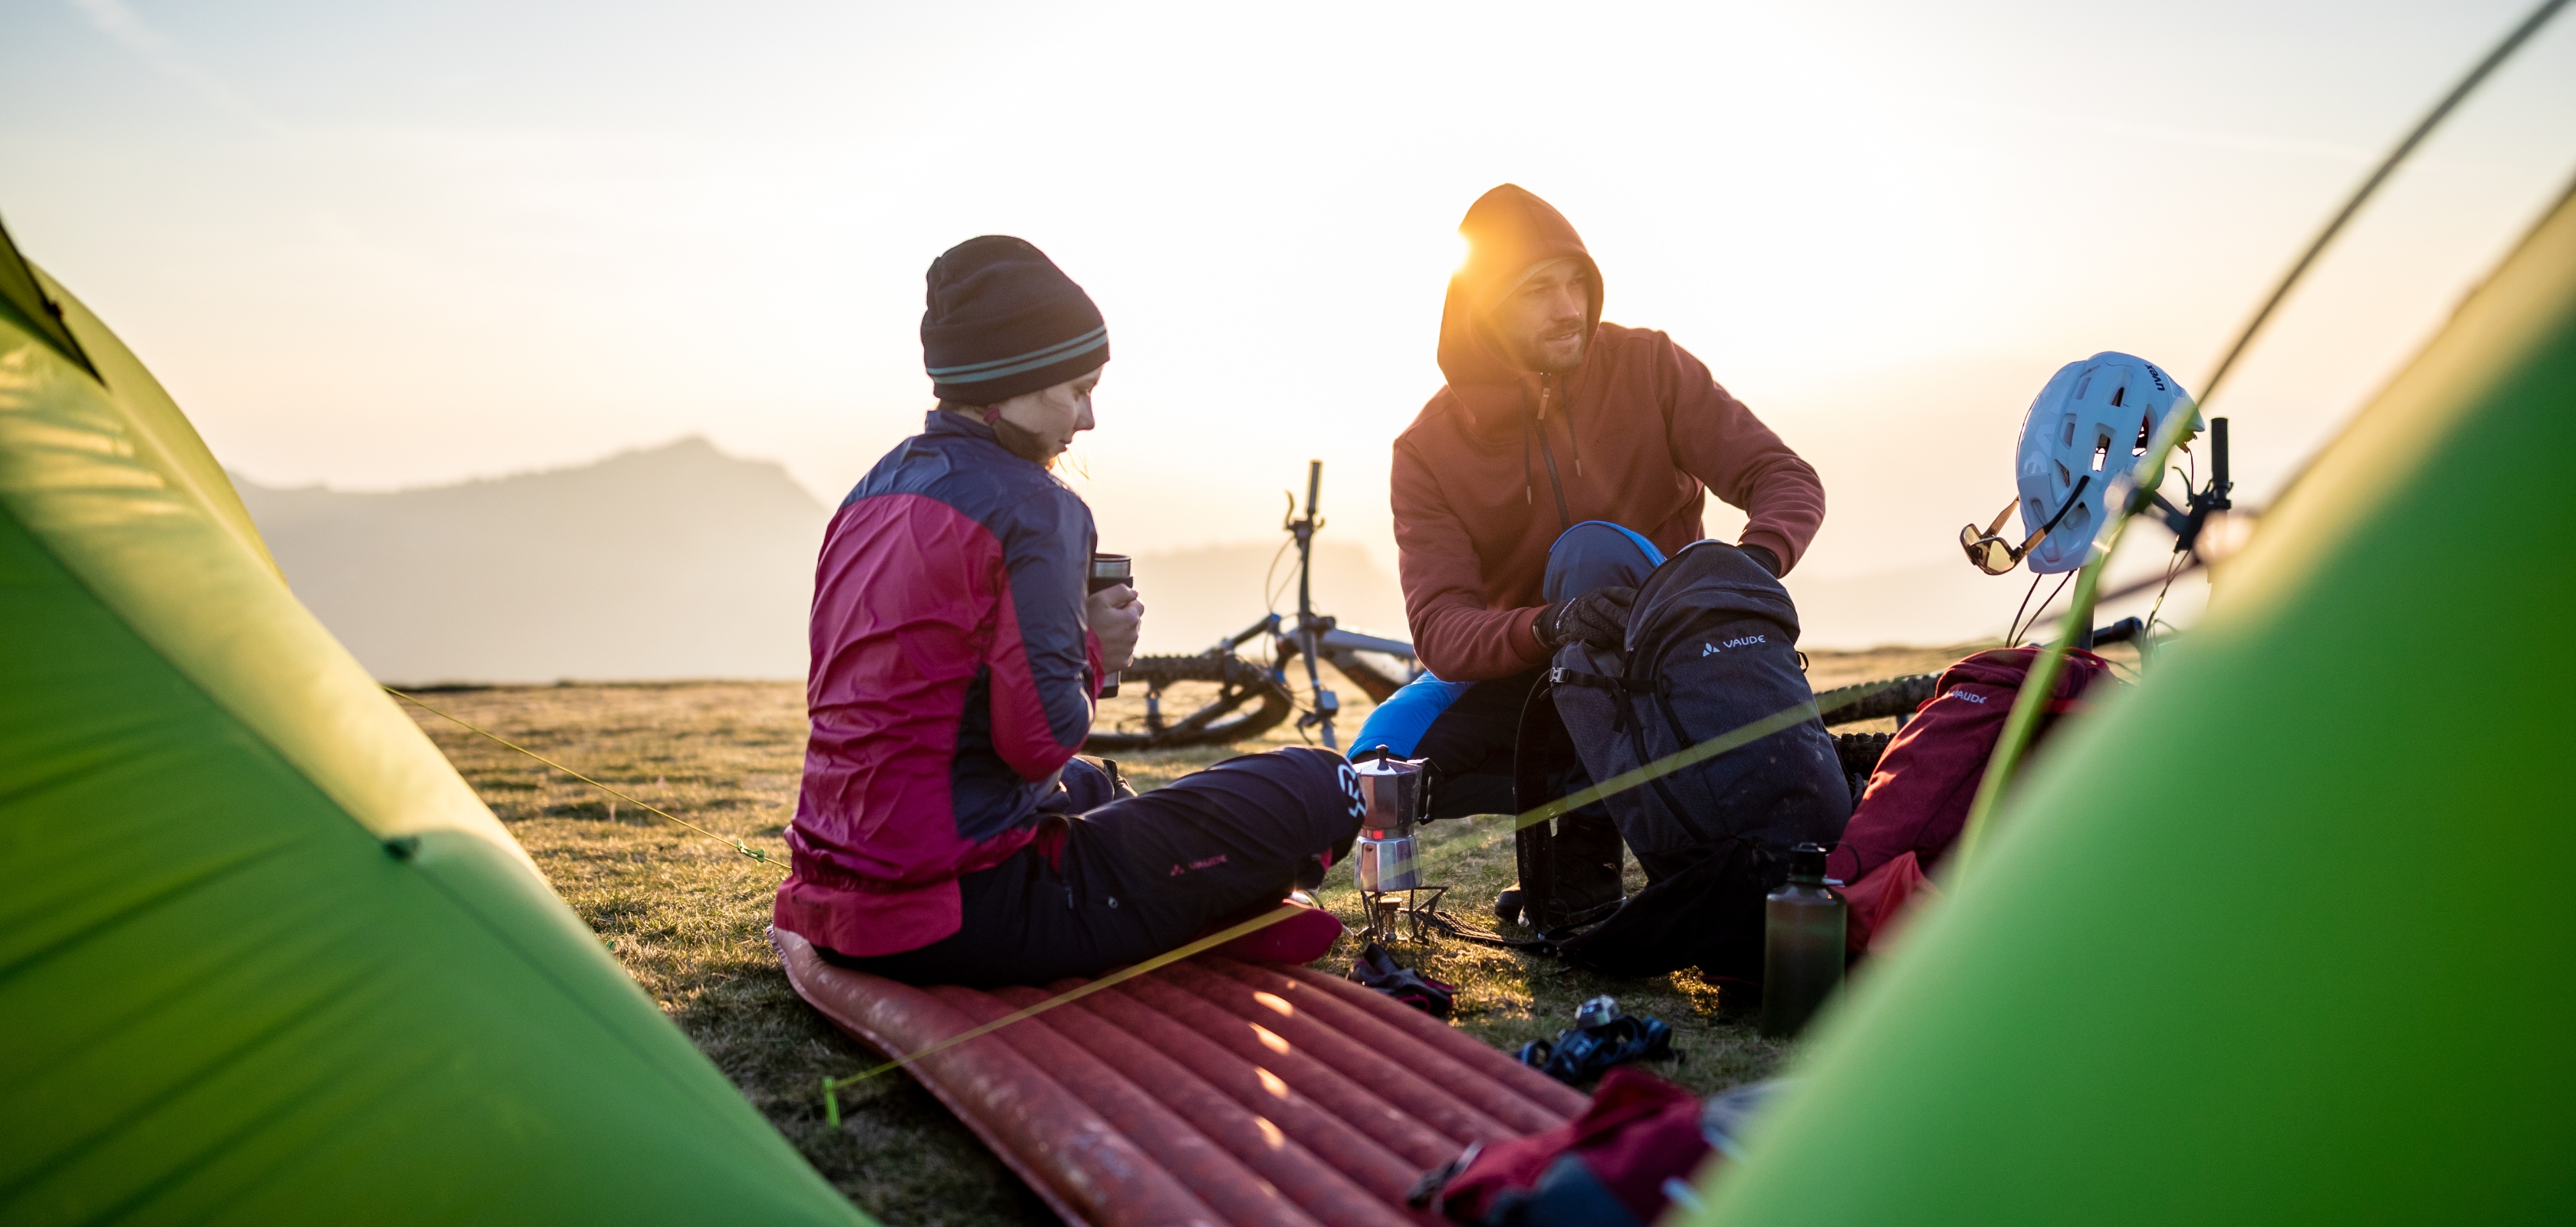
1711	648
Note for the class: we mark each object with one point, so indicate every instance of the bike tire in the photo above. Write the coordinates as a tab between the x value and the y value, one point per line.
1216	723
1376	683
1895	697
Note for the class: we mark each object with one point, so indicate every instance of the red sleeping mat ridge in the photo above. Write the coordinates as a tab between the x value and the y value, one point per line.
1208	1091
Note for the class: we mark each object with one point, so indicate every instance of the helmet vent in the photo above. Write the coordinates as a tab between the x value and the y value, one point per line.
2101	451
2069	439
2119	394
2083	385
2064	478
2140	447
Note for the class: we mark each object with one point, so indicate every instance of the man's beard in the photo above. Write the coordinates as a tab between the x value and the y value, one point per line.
1552	365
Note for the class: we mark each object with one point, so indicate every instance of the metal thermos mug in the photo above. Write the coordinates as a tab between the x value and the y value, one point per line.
1109	571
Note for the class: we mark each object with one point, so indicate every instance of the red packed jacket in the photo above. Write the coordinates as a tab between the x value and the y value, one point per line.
1501	461
1918	796
1638	1134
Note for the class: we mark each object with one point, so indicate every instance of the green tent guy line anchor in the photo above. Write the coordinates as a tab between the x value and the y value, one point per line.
736	844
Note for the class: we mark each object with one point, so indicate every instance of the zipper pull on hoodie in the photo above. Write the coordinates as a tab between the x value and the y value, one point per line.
1565	401
1529	483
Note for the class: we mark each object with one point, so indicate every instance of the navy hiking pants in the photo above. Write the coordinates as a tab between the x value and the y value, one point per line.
1119	880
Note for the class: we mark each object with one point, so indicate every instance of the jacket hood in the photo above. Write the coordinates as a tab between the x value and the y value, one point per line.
1508	230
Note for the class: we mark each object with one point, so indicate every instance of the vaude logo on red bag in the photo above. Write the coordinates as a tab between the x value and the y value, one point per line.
1961	694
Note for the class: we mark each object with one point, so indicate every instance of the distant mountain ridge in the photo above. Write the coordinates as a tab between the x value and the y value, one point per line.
668	562
682	562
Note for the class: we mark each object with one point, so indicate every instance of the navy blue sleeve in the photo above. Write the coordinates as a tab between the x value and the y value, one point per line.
1042	664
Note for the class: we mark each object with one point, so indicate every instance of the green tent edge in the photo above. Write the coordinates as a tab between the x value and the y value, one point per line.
103	474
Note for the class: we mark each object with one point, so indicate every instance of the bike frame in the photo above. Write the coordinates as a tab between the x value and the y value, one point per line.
1314	636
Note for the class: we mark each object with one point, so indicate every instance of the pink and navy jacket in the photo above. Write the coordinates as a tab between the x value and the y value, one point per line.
953	675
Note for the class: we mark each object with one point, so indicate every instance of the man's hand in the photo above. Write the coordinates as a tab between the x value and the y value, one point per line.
1116	615
1598	617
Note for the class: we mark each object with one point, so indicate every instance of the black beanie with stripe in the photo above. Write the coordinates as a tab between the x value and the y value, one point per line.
1004	320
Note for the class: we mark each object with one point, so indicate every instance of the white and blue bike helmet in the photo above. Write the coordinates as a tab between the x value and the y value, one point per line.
2087	429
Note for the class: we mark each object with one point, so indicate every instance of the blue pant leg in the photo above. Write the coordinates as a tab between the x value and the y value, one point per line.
1467	727
1598	554
1401	723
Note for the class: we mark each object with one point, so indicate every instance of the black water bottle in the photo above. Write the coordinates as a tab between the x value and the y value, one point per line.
1109	571
1802	944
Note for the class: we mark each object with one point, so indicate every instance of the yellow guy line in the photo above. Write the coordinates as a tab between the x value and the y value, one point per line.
738	846
1705	750
1675	761
1622	782
832	1103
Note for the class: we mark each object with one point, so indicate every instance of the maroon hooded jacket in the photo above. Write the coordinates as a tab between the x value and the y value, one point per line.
1504	460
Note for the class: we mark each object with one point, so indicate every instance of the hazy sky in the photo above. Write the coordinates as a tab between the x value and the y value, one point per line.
394	243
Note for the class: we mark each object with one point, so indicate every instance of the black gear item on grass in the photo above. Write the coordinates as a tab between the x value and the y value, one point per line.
1377	969
1598	617
1707	916
1579	1054
1125	879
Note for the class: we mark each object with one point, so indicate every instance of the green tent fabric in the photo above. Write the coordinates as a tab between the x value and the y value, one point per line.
264	958
2286	934
24	304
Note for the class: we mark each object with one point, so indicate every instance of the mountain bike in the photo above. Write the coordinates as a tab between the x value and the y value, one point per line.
1219	696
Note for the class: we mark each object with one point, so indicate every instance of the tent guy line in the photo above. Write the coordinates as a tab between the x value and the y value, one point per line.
831	1085
1666	765
2078	619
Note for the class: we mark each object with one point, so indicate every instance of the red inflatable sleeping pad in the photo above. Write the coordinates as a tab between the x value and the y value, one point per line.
1209	1091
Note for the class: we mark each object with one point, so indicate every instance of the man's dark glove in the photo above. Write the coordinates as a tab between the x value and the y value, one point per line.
1762	554
1598	617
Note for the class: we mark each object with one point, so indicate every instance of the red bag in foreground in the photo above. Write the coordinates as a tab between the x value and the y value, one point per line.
1879	899
1918	797
1639	1132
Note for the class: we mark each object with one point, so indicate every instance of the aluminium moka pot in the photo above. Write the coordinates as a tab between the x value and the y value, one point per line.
1394	791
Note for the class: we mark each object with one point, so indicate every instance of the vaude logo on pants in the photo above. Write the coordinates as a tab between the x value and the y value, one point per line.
1712	649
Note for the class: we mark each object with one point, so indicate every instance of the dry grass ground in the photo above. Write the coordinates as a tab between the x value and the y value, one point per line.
686	914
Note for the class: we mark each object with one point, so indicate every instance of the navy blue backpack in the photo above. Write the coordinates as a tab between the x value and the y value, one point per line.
1711	649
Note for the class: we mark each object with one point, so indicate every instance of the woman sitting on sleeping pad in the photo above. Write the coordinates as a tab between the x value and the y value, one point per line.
945	832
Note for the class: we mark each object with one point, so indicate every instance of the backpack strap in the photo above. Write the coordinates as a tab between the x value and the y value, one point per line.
1562	676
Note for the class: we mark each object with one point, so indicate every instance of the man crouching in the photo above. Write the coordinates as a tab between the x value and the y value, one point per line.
945	832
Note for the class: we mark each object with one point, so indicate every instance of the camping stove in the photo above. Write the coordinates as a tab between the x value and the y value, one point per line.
1395	792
